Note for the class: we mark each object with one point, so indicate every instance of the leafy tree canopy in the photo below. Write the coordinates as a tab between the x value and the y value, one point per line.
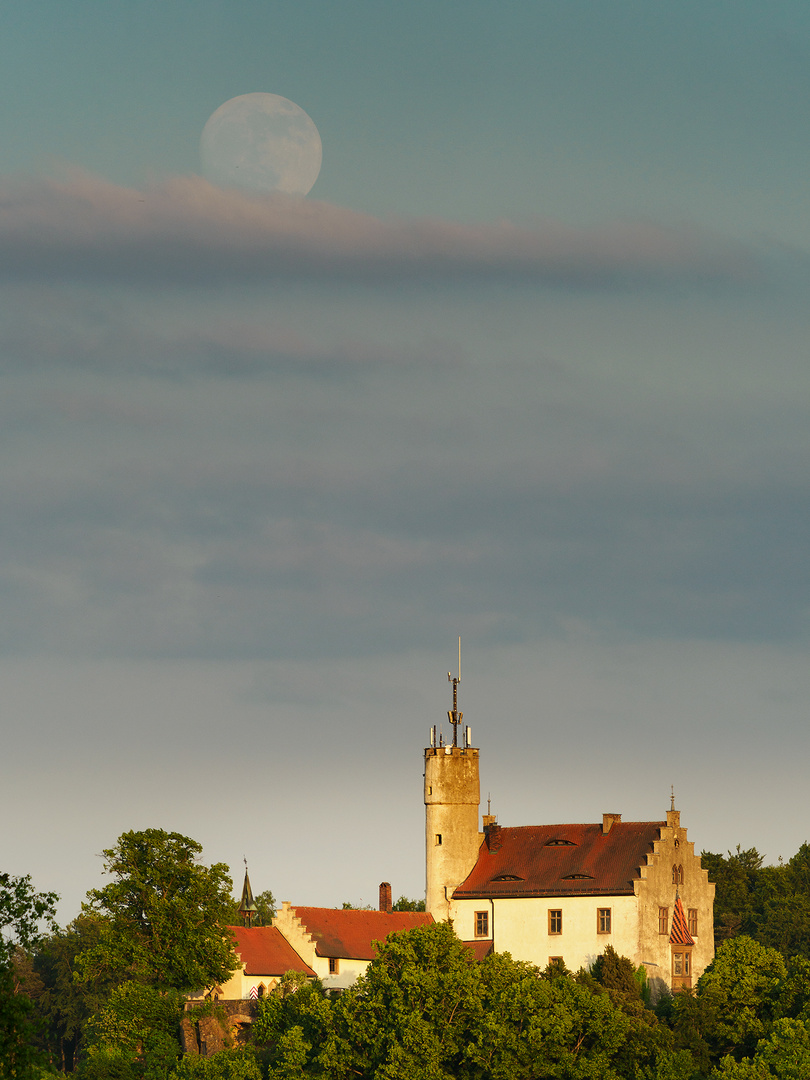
22	912
404	904
163	914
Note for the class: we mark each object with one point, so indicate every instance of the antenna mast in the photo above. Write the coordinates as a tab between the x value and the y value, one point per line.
455	717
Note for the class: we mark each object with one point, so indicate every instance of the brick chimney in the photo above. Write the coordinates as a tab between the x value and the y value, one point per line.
492	832
608	821
385	897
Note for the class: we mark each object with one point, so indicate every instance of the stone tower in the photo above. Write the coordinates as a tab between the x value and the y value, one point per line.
452	795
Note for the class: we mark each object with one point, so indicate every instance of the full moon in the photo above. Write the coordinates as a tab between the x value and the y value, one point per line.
261	143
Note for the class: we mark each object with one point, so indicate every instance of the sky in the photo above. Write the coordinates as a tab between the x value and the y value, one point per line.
528	365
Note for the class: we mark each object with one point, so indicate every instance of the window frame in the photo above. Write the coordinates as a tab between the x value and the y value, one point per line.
555	922
604	920
482	924
663	920
692	921
334	965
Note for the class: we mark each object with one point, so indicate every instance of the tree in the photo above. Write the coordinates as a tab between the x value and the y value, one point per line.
164	912
425	1008
22	912
404	904
735	879
64	1004
135	1034
738	995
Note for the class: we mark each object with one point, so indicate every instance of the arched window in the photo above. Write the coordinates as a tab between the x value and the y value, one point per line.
680	875
674	875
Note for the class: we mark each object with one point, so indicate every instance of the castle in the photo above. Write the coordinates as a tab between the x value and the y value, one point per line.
562	892
543	893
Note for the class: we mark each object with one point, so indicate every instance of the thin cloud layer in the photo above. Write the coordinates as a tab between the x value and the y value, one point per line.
187	230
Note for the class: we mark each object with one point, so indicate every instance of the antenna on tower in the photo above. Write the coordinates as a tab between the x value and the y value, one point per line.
455	717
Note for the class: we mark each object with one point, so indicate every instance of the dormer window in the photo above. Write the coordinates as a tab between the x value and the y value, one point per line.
508	877
557	842
578	877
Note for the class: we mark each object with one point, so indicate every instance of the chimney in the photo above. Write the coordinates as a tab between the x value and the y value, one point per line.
608	821
493	834
385	897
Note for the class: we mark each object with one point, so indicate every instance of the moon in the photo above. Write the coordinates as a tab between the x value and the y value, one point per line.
261	143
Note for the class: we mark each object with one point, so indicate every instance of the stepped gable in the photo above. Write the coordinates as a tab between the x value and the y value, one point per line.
680	929
561	860
265	951
349	934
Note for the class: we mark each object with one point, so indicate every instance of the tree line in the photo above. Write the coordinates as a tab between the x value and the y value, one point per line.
104	997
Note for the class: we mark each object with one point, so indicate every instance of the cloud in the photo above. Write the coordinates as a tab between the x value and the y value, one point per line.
85	328
187	231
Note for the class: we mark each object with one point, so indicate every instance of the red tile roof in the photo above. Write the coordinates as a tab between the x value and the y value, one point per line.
480	948
560	860
265	951
348	933
680	929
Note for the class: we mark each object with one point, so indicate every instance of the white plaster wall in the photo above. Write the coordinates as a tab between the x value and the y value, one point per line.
521	927
348	971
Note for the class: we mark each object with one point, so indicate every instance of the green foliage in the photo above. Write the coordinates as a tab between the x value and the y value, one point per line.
404	904
22	913
238	1064
138	1024
738	996
735	880
425	1008
163	912
64	1004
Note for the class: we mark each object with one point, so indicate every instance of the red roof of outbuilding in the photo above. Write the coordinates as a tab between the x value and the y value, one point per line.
265	951
560	860
479	949
349	933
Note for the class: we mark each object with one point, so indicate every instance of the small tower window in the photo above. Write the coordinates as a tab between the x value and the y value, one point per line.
438	839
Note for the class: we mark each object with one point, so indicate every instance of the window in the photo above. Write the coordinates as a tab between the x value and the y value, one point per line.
663	920
482	924
556	960
438	839
681	968
692	921
334	965
677	875
603	920
555	921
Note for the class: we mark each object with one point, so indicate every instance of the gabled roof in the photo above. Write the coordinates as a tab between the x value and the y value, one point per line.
560	860
349	933
265	951
680	928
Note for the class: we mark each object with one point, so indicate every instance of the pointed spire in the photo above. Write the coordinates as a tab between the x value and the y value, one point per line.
680	929
247	905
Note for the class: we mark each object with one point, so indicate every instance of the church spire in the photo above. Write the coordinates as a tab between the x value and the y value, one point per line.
247	905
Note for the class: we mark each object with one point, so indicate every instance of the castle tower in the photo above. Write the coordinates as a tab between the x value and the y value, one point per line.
452	795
